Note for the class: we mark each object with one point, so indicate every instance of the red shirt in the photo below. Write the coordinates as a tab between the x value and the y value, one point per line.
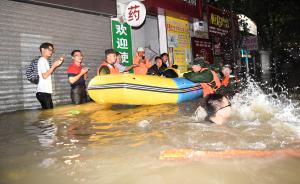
74	70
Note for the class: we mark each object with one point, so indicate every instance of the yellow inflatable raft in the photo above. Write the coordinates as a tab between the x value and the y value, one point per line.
142	89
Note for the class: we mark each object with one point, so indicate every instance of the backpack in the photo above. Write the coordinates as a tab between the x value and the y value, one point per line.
32	71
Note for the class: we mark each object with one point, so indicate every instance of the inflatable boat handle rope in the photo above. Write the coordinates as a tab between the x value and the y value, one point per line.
190	154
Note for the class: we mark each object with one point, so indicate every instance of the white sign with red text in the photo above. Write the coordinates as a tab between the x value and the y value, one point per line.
135	13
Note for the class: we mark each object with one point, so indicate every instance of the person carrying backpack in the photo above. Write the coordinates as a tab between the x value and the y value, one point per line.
44	88
32	71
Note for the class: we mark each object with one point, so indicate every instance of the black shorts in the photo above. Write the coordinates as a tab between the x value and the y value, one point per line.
45	99
78	95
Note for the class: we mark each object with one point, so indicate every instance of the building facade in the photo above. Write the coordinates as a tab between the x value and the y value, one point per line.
25	25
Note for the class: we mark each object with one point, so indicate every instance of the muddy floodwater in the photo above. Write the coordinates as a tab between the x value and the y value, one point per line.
94	143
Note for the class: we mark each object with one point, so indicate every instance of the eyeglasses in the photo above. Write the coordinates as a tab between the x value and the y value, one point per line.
229	105
50	49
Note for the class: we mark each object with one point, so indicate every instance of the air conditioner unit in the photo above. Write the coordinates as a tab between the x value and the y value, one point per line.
199	26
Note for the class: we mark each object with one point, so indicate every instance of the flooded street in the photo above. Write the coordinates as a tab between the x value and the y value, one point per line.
149	52
94	143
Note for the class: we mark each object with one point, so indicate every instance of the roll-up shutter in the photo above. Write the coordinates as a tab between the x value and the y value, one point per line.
23	27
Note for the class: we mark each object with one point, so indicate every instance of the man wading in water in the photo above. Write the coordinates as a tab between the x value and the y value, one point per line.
77	76
44	88
218	108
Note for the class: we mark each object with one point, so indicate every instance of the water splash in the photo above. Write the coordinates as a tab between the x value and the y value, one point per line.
252	104
200	114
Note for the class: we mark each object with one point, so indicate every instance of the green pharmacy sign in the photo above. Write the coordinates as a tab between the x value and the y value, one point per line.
121	38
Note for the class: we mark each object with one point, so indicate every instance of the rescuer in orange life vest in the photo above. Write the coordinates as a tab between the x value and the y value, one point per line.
108	65
142	63
207	78
229	83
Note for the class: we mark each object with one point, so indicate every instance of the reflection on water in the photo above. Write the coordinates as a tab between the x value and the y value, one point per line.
45	130
93	143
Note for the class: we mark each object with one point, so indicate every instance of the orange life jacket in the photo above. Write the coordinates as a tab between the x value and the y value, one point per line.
225	80
112	68
211	87
142	67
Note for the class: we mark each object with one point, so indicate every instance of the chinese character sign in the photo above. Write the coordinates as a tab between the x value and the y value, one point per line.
202	48
218	21
135	13
179	40
121	38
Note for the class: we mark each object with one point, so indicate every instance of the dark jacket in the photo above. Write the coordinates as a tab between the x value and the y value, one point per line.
154	70
204	76
230	89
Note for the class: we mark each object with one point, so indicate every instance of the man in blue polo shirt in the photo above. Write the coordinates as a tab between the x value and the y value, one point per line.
77	77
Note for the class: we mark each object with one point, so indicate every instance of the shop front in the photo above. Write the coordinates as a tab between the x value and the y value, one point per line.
223	33
141	31
175	19
68	24
166	29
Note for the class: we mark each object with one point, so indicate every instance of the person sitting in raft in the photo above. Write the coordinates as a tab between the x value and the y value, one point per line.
158	68
108	65
208	79
122	68
170	73
218	108
143	63
228	82
167	61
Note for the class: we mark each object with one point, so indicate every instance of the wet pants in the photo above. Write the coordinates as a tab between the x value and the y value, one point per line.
78	95
45	100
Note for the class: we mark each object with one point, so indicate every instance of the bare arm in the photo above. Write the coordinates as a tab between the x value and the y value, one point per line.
170	61
130	67
49	72
56	64
75	78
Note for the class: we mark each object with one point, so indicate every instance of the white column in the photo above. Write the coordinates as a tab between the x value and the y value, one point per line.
163	45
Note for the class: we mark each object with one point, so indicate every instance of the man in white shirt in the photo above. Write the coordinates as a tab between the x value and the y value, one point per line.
44	88
122	68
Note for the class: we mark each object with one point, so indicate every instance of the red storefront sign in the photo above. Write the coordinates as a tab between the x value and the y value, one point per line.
135	13
202	48
218	21
191	8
